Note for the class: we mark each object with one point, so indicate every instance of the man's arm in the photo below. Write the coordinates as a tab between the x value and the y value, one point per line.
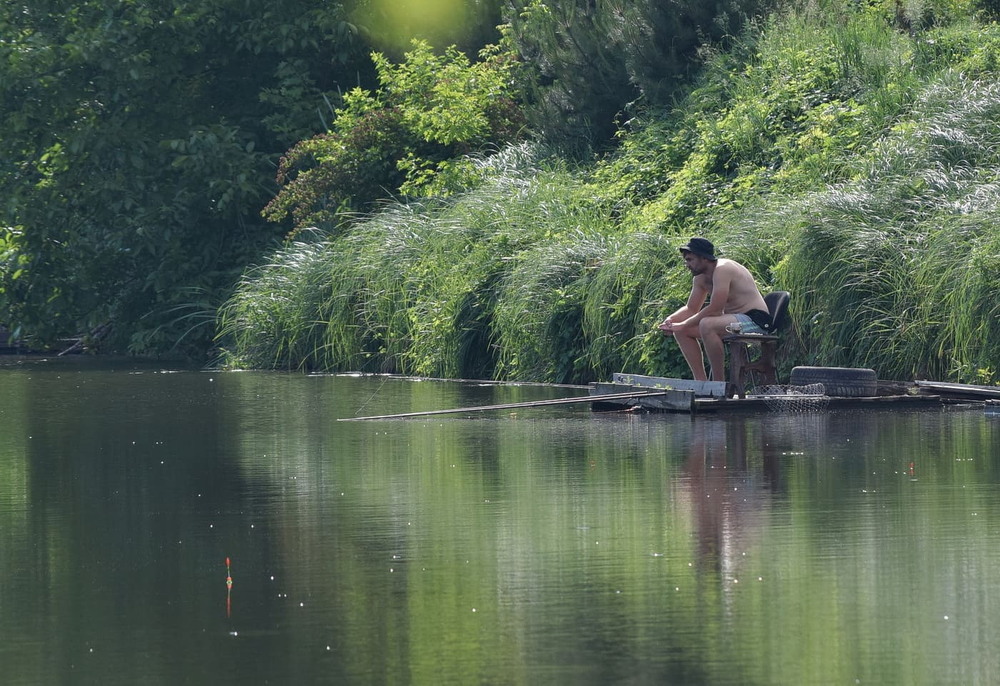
700	290
718	287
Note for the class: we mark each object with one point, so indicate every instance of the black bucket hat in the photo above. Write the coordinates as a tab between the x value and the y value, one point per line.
702	247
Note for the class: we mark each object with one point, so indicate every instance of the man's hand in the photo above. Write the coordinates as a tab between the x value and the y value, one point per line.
667	327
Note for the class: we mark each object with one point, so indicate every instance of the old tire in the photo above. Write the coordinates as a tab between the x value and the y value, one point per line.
840	382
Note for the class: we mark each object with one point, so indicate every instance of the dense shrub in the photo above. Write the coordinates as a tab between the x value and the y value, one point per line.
407	137
594	60
837	155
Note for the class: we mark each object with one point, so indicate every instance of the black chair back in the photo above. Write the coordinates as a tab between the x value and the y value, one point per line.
777	305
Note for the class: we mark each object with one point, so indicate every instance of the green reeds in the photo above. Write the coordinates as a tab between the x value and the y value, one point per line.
641	280
897	271
412	289
273	319
519	279
838	159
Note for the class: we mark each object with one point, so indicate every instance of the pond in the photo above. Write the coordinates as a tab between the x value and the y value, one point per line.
548	545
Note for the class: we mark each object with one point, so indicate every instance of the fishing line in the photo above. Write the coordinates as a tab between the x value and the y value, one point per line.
372	396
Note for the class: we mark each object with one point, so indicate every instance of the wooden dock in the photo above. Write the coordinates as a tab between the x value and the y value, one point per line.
710	396
661	394
960	390
678	395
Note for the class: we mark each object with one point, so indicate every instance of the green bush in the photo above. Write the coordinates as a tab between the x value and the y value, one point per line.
894	270
407	137
842	159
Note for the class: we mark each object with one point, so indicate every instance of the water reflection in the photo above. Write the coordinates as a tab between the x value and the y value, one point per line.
728	497
534	547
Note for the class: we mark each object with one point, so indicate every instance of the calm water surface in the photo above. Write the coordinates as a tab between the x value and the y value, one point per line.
543	546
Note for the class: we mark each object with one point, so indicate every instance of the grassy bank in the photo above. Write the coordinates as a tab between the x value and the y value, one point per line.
840	158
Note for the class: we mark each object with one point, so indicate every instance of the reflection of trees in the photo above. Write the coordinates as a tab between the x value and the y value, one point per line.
501	549
134	502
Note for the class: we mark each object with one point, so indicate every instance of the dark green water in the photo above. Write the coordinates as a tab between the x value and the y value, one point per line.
546	546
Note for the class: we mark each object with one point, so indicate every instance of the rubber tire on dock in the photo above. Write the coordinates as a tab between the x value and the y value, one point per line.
839	382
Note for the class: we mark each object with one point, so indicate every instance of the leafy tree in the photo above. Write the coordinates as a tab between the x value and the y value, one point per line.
579	83
409	136
593	58
137	142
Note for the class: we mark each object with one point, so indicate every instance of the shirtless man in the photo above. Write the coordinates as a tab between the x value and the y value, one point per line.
734	298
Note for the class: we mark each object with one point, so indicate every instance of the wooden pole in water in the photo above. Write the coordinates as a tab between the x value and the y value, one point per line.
512	406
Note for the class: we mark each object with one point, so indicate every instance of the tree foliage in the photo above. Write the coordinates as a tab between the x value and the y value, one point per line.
136	144
837	155
593	58
406	137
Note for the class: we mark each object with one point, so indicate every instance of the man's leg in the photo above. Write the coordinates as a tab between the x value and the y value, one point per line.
712	329
691	349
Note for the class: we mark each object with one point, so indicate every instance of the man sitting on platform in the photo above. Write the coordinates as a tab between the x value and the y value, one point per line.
733	297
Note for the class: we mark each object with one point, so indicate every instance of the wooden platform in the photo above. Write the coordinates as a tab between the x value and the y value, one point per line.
679	395
961	390
701	389
710	396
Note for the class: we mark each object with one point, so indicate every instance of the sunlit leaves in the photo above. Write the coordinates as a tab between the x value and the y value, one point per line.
402	138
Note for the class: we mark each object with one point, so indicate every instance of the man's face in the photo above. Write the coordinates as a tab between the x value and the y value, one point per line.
694	263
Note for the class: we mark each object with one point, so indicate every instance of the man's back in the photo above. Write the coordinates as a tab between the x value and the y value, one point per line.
736	282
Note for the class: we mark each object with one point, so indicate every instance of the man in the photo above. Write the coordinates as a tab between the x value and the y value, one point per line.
734	298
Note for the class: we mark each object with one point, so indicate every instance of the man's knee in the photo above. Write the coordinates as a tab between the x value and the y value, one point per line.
707	327
688	333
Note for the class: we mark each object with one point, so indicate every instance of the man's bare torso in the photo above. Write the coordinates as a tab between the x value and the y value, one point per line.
743	295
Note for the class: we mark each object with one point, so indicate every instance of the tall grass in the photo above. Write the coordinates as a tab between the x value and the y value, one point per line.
898	270
274	317
520	279
854	165
423	288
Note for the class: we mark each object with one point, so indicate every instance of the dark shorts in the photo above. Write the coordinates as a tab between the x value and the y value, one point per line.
755	321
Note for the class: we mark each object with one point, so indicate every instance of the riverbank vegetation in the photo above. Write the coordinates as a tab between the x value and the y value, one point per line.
846	152
844	159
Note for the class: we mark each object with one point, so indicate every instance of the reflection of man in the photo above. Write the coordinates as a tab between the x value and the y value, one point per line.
734	298
728	500
710	484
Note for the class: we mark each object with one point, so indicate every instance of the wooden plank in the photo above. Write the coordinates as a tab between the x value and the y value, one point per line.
702	389
968	390
511	406
668	399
